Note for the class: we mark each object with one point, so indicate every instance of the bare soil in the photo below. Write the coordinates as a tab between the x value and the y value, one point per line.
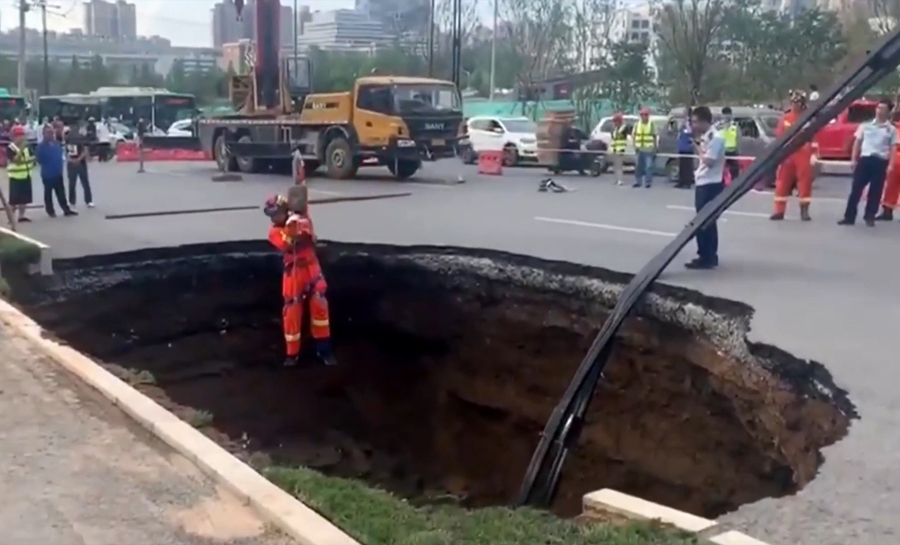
441	392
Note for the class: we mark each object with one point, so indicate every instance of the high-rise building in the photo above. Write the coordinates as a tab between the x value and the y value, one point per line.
400	17
343	29
113	20
228	28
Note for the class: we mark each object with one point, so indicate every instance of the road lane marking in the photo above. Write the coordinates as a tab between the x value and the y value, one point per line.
608	227
323	192
729	212
770	194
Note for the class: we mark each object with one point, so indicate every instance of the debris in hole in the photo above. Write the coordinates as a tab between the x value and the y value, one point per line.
452	361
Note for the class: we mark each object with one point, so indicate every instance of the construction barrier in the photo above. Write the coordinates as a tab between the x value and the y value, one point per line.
127	152
490	162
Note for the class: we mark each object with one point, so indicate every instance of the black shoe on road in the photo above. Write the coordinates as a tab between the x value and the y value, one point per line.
701	264
846	222
290	361
70	213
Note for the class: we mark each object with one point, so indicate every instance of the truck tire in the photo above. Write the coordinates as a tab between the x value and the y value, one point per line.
339	160
403	169
220	155
310	167
247	165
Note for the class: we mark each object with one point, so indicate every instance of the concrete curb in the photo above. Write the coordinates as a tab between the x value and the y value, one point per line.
272	503
45	266
608	500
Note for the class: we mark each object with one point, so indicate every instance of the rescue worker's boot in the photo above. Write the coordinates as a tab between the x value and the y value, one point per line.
804	213
887	214
291	361
777	216
324	353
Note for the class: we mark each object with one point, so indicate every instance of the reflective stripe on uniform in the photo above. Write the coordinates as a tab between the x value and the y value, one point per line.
781	199
644	136
319	323
20	167
730	134
292	338
619	140
805	200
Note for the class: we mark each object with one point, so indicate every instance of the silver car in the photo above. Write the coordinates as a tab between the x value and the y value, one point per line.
756	126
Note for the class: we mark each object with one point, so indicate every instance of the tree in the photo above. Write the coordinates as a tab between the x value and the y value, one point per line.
689	35
628	79
538	42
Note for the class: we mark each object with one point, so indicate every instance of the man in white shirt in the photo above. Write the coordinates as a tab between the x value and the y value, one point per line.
872	158
708	180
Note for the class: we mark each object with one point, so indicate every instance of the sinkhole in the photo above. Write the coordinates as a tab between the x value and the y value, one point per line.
451	361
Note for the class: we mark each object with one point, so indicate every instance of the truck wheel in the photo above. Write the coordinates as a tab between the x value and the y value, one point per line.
220	155
339	160
403	168
247	165
310	167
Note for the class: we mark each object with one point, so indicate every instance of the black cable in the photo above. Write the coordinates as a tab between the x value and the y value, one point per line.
563	427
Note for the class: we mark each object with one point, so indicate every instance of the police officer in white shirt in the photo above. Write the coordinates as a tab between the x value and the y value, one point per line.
873	155
708	183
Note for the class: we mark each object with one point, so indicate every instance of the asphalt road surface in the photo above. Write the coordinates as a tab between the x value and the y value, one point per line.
820	291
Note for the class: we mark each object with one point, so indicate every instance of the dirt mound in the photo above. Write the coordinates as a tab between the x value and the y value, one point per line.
451	362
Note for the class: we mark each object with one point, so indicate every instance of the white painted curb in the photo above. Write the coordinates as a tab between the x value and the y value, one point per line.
612	501
45	267
275	505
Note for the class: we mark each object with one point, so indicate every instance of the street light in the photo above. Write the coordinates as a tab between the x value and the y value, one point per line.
494	49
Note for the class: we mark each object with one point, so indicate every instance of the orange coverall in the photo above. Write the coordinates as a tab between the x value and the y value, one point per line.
892	188
302	282
795	168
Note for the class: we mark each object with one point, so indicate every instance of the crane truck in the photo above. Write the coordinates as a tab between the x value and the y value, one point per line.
385	120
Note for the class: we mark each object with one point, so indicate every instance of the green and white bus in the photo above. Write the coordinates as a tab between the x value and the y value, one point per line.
159	107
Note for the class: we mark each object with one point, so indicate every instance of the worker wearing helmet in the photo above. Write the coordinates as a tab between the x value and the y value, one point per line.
796	169
302	281
18	171
890	200
617	144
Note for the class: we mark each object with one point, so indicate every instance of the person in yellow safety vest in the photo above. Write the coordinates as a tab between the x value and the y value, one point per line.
618	143
18	171
730	133
645	141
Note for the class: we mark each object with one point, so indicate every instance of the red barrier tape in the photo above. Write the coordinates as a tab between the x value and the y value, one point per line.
127	152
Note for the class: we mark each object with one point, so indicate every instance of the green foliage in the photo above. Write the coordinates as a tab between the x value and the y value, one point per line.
375	517
15	252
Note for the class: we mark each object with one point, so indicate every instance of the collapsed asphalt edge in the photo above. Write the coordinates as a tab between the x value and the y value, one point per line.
45	265
608	500
272	503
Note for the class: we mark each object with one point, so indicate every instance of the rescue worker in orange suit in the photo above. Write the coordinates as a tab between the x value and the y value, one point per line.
302	283
891	195
796	169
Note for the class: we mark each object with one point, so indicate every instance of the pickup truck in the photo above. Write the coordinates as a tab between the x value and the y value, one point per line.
835	140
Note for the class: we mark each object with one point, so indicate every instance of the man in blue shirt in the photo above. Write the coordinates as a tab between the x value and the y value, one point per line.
50	157
872	158
686	151
708	180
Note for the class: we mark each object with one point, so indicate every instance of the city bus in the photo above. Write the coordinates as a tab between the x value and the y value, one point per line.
11	107
159	107
71	108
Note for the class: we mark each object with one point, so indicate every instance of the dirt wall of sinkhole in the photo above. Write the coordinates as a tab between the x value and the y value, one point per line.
691	414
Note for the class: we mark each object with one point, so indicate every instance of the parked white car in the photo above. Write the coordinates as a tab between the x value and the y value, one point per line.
515	136
180	128
603	131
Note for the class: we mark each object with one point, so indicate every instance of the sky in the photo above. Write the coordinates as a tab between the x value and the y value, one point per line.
184	22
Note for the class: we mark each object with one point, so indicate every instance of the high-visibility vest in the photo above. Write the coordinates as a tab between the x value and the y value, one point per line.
644	135
730	134
19	168
619	139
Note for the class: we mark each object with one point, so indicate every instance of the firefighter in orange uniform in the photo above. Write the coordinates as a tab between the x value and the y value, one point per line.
302	284
891	195
796	169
